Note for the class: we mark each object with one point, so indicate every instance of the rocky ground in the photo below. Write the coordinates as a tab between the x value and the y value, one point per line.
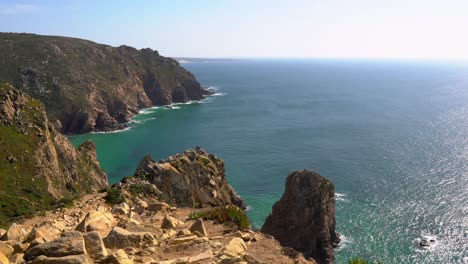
144	232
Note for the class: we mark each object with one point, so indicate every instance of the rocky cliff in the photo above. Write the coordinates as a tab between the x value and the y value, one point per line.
87	86
192	178
39	166
304	217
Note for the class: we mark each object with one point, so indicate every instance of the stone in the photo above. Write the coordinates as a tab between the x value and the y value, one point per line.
47	233
6	249
2	232
16	232
304	217
94	245
121	208
246	236
235	248
95	221
184	232
118	257
140	206
3	259
120	238
156	207
198	226
170	222
18	247
181	240
203	257
72	259
17	258
70	243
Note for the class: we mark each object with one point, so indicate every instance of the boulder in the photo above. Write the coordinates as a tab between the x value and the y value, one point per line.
18	247
118	257
120	238
193	178
95	221
73	259
156	207
94	245
6	249
170	222
121	208
3	259
16	232
198	226
70	243
181	240
304	217
235	248
47	233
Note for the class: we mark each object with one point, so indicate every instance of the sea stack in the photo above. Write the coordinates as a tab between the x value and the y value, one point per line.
304	217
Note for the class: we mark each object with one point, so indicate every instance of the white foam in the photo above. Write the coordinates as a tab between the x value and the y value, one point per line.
112	132
432	245
345	241
218	94
341	197
249	208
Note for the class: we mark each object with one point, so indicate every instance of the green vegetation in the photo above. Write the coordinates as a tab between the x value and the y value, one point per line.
225	215
114	196
362	261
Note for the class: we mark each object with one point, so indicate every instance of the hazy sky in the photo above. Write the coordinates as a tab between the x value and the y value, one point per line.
250	28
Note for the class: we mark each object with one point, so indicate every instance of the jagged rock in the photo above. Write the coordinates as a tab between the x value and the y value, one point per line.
2	232
121	208
3	259
46	233
16	232
304	217
94	245
6	249
140	206
198	226
70	243
121	238
118	257
235	248
72	259
190	179
18	247
95	221
246	236
203	257
170	222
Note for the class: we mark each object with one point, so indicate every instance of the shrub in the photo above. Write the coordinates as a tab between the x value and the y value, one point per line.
114	196
227	214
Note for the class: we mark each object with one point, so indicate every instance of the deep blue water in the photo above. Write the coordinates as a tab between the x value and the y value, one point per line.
391	135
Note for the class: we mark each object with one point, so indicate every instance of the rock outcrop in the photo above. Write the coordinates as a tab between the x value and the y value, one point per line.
87	86
304	217
192	178
38	165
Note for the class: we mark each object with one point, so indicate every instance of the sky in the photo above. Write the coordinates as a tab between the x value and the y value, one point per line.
426	29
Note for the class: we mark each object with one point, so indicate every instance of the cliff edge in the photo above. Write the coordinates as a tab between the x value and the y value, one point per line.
39	166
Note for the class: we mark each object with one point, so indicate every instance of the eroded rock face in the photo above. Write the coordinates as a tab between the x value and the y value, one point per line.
39	165
193	178
304	217
87	86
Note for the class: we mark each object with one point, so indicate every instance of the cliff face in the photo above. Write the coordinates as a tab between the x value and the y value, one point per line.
87	86
193	178
38	165
304	217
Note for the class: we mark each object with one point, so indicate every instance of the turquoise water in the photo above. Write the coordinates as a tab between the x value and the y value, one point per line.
392	136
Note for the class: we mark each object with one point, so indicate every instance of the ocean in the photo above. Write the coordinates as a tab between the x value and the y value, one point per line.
391	135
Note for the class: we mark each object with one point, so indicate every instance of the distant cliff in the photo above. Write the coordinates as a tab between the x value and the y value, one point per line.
87	86
39	166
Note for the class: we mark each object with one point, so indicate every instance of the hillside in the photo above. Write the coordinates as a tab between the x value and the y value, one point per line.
39	166
87	86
